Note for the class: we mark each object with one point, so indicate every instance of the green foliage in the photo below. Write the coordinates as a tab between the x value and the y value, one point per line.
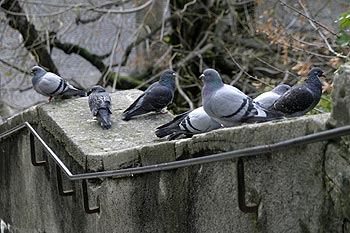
344	39
344	20
325	105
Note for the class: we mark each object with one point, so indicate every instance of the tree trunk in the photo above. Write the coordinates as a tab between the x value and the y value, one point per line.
31	37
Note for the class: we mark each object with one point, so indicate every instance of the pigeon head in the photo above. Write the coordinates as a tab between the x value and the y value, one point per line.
37	71
96	89
167	78
281	89
168	75
316	72
211	76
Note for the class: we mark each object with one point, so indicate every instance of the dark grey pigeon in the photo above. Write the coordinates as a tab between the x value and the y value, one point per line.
101	106
301	98
188	123
156	97
50	84
228	105
267	99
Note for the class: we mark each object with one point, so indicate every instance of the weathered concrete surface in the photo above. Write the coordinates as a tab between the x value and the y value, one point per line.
337	159
289	185
72	124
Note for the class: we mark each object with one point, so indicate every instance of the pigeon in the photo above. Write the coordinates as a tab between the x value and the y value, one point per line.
188	123
50	84
100	105
303	97
228	105
267	99
156	97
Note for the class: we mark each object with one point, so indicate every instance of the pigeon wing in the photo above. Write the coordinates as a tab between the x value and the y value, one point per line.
267	99
50	84
298	99
226	103
99	101
172	127
157	97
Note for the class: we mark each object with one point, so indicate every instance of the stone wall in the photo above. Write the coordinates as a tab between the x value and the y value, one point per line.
298	189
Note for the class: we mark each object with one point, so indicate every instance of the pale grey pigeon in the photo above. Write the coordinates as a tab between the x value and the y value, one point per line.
50	84
228	105
301	98
100	105
267	99
156	97
188	123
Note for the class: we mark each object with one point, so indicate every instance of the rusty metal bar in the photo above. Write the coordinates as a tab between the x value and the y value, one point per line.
32	152
87	208
61	191
241	190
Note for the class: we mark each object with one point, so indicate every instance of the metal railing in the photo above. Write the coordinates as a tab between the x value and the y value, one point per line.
235	154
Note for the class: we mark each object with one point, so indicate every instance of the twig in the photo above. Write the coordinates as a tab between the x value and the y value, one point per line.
163	19
308	17
16	13
15	67
245	72
128	11
193	54
187	5
274	67
178	86
113	51
319	32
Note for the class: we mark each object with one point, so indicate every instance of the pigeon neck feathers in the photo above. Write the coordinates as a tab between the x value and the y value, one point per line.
212	81
314	82
37	72
167	79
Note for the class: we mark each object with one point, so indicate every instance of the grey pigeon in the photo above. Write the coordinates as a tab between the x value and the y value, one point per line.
188	123
267	99
100	105
303	97
156	97
50	84
228	105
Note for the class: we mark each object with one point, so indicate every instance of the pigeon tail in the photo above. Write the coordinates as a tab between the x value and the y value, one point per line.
75	92
103	117
264	115
133	112
171	127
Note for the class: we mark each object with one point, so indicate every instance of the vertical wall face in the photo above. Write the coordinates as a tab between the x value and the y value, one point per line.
337	160
29	199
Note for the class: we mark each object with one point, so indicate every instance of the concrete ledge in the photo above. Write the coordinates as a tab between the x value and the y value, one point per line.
134	143
287	185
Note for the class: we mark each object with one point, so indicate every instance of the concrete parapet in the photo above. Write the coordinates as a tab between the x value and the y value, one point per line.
287	185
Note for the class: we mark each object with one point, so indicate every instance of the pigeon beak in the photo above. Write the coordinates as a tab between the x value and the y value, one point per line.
202	76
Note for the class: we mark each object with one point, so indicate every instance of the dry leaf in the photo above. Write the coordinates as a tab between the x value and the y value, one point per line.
335	62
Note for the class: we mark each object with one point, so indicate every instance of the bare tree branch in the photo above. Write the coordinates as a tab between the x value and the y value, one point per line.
29	34
319	32
128	11
308	17
69	48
